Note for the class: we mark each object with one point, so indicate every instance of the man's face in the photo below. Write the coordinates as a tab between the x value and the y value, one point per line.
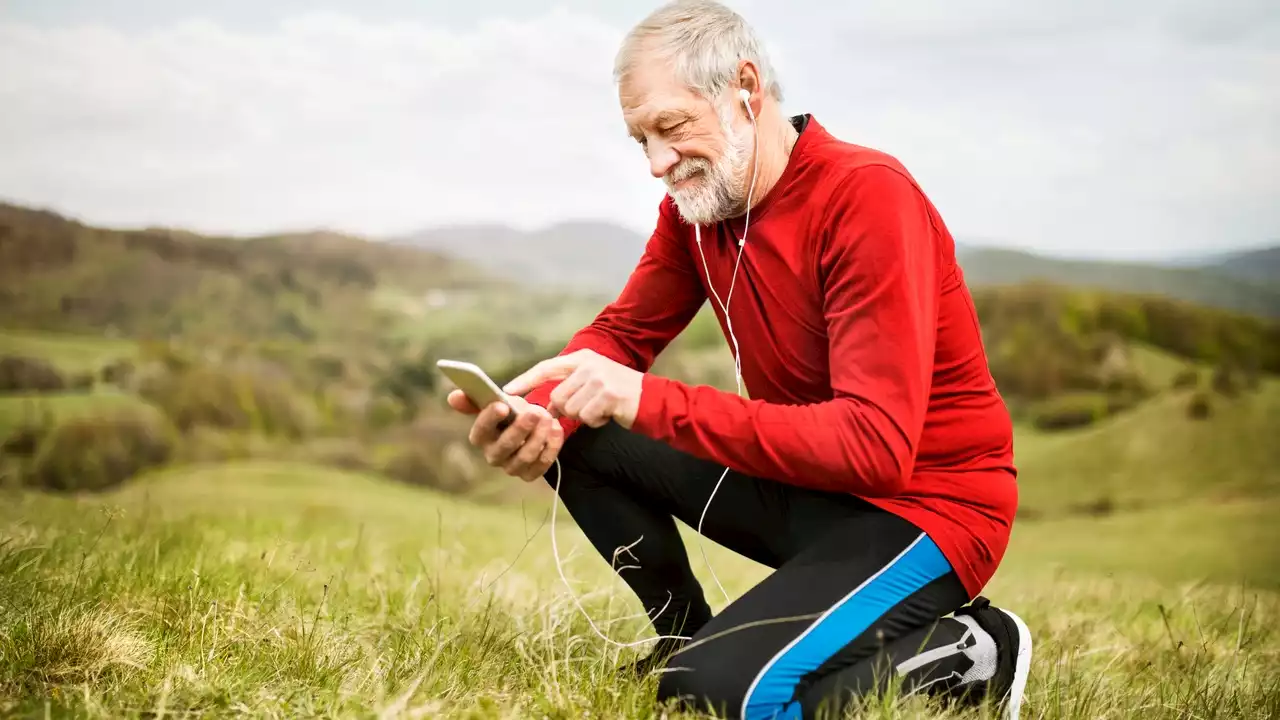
691	144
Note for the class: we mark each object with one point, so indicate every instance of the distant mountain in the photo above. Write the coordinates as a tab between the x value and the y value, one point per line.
1260	266
598	257
584	256
1229	283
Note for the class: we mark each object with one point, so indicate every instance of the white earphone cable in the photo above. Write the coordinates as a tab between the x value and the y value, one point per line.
724	306
555	551
737	372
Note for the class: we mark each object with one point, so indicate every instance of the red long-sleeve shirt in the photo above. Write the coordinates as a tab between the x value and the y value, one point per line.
861	350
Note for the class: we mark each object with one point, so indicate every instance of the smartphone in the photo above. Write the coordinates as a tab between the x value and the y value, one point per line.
477	385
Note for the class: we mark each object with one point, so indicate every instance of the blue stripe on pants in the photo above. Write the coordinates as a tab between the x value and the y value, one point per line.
770	695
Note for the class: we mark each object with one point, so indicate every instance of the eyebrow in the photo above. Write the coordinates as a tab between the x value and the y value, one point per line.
661	119
666	117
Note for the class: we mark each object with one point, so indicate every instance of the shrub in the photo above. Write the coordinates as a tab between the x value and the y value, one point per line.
24	440
19	373
99	452
424	466
1251	376
1124	391
231	401
410	381
82	381
1186	379
339	453
1226	380
211	445
328	367
1036	332
1069	411
1100	507
196	398
383	412
118	372
1128	383
173	358
1028	513
1199	406
1118	402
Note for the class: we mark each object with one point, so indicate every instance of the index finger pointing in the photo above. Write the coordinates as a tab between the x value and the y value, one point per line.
555	368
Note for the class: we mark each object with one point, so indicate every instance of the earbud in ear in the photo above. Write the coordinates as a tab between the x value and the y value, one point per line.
745	94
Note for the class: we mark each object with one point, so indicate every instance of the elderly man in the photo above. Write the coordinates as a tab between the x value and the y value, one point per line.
872	465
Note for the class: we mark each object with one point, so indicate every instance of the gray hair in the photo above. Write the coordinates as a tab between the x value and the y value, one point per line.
704	41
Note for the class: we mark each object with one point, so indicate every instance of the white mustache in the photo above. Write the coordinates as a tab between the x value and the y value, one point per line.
686	169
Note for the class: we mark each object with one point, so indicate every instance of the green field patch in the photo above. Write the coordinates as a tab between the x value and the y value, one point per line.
17	410
67	351
1155	454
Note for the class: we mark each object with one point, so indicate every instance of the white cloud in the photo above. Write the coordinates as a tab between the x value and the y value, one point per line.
1086	127
326	120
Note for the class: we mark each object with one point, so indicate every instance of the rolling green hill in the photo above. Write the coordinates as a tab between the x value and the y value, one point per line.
1155	455
59	274
1207	285
357	298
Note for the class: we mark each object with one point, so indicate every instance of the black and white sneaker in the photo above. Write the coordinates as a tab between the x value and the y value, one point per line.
1006	683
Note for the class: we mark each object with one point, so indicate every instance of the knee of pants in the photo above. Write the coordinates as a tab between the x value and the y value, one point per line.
714	688
587	453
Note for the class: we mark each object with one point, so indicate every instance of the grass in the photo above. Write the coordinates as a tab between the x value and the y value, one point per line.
1158	367
68	352
1198	542
279	590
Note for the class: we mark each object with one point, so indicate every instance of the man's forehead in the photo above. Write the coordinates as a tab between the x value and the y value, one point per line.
656	108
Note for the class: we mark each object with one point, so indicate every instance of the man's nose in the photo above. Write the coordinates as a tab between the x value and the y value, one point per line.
662	158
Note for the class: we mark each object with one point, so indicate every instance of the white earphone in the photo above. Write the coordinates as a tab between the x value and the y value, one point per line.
745	96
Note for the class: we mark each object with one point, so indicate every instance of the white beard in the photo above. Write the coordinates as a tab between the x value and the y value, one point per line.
720	192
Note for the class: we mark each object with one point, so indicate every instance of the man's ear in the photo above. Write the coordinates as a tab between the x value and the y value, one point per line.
749	78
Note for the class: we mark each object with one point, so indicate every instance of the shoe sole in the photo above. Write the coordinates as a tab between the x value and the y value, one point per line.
1022	668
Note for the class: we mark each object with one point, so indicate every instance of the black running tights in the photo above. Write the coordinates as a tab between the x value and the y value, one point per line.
856	592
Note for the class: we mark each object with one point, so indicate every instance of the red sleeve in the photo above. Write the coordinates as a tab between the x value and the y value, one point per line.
878	265
659	300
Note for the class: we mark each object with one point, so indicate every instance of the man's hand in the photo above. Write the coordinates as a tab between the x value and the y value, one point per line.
526	448
594	389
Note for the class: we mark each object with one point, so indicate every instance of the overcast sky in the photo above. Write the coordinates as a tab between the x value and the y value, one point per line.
1075	127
